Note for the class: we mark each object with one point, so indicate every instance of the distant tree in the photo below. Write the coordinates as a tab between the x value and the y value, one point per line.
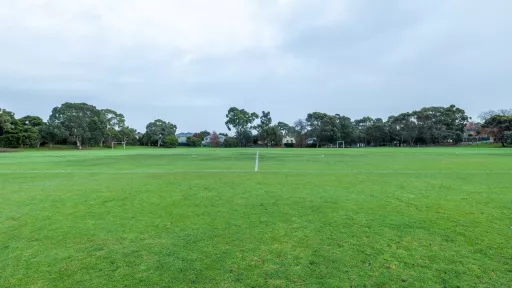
224	134
127	134
81	122
286	129
230	142
314	121
32	121
52	132
7	121
194	141
507	137
113	123
497	126
171	141
265	133
274	136
301	128
488	114
158	130
240	120
407	126
345	129
203	134
215	140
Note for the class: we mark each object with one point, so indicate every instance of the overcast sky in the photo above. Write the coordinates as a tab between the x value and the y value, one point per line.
188	61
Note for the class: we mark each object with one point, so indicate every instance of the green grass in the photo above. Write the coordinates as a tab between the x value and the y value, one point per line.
424	217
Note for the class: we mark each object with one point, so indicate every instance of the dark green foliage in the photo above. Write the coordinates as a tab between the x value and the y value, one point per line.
11	141
203	134
497	126
158	130
52	132
127	134
83	123
171	142
507	136
194	141
7	121
230	142
241	120
32	121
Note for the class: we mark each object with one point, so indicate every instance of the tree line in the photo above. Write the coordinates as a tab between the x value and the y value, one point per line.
82	124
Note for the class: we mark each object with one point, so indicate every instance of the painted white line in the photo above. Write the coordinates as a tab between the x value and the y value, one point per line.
247	171
257	160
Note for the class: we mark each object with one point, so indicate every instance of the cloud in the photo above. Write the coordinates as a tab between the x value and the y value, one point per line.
191	29
181	57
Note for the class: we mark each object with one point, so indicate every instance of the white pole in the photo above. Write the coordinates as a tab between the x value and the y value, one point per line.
257	159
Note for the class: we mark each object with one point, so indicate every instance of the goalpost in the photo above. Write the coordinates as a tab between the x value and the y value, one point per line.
338	144
124	144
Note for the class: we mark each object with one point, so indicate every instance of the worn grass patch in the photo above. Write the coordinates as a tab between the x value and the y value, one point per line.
435	217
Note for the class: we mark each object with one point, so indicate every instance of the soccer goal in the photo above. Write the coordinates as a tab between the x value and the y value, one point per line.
114	143
342	144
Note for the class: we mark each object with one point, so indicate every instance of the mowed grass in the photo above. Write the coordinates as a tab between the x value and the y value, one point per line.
424	217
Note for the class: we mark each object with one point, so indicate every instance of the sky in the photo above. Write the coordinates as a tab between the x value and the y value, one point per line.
187	62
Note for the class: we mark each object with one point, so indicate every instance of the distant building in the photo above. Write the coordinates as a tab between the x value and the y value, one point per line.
470	129
288	140
207	140
182	137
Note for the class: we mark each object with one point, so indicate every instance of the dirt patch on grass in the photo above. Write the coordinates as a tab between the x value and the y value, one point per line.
5	150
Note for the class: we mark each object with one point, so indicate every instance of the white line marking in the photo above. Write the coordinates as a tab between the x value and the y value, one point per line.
257	160
246	171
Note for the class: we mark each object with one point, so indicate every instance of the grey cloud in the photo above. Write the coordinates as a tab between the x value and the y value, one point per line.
386	58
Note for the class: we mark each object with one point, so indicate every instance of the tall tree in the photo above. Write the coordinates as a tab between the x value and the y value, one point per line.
362	126
345	128
114	122
273	135
80	121
314	121
158	130
488	114
127	134
301	129
240	120
497	126
286	129
407	125
264	131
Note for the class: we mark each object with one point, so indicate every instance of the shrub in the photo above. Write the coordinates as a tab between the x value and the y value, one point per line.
194	141
171	142
215	140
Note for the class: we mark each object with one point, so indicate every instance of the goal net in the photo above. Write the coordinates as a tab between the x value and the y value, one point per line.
114	144
340	144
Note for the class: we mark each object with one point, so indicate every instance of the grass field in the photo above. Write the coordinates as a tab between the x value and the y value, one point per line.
424	217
